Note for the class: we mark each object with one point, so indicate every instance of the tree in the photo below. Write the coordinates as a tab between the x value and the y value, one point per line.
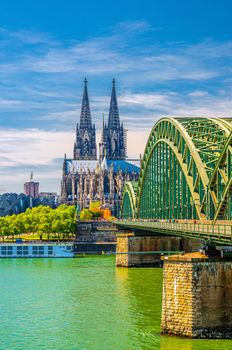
4	230
86	215
97	213
95	205
41	220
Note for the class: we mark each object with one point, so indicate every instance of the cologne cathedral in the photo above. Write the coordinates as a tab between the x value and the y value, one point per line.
87	178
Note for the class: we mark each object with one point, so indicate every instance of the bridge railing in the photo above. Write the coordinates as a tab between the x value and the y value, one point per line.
204	230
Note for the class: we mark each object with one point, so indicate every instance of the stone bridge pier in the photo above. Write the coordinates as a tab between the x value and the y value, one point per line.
145	249
197	296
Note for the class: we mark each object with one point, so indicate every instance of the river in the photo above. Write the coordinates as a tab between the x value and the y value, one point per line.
84	304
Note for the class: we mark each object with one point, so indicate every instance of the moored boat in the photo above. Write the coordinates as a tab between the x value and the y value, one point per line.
36	250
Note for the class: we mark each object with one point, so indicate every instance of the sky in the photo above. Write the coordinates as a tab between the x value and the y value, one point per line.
169	58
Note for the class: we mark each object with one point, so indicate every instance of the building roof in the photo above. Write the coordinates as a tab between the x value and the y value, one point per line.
77	166
127	166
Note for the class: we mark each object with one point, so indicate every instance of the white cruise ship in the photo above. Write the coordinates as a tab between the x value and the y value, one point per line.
36	250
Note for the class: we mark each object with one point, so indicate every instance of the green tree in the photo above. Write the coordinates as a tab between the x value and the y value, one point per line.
4	230
41	220
95	205
86	215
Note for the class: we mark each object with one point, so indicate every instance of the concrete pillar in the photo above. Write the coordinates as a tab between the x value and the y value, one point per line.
128	245
197	296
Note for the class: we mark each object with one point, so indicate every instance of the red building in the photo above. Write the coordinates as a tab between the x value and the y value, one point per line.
31	188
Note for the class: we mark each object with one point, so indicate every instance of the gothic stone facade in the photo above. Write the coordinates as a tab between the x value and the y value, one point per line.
86	179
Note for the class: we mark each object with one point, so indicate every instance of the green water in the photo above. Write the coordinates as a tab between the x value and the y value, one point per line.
84	304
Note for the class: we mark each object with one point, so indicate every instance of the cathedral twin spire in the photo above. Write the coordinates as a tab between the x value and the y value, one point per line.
85	118
85	144
113	120
113	135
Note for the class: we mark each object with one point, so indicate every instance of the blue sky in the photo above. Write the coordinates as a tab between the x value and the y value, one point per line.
168	57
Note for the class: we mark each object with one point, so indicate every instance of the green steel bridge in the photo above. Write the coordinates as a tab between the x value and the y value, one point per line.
186	174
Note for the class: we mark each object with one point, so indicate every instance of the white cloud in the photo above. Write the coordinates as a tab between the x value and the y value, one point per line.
9	103
32	146
198	93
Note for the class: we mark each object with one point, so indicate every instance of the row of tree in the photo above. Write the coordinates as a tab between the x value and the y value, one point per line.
60	222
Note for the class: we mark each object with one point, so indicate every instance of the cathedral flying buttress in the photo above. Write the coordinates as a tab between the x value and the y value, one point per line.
86	178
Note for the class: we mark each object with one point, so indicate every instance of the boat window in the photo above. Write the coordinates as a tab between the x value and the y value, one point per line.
19	250
25	250
50	250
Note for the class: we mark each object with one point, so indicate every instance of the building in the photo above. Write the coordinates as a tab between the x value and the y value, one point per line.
31	188
49	198
86	178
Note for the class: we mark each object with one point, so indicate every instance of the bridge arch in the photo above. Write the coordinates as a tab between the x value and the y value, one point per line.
186	170
128	209
168	190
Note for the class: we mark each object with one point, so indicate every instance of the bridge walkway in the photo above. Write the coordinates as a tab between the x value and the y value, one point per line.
217	233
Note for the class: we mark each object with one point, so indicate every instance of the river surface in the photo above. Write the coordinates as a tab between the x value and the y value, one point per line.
84	304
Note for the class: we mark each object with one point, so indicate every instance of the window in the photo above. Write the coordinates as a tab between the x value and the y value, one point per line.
19	250
35	250
25	250
50	250
41	250
9	250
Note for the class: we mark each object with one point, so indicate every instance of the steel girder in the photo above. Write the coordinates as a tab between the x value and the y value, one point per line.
186	170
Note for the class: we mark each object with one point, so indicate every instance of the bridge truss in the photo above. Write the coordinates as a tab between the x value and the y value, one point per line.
186	172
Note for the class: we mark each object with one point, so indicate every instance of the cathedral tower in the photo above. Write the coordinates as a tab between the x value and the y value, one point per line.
85	144
113	143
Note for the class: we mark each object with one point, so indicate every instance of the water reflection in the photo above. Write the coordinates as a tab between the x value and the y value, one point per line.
142	288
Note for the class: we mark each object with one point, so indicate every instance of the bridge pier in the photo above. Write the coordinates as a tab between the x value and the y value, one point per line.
197	296
128	244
